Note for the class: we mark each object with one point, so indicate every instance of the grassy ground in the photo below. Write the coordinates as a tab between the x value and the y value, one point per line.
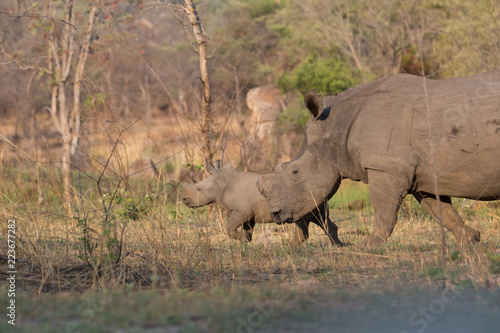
149	264
263	309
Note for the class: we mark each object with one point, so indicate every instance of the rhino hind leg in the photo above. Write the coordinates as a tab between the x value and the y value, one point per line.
242	235
451	220
248	230
386	194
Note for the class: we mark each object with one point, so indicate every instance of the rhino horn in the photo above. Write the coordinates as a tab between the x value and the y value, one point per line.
263	184
218	164
213	170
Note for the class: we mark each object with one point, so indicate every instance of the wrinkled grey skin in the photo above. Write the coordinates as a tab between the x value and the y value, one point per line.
237	193
400	135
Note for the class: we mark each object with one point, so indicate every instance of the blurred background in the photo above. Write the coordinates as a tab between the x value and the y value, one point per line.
141	92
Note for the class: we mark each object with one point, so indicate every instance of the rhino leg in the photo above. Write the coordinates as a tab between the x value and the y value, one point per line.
386	194
300	232
451	220
248	228
235	221
331	230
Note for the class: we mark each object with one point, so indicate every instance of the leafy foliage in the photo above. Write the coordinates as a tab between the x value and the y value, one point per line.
469	42
127	207
262	7
326	75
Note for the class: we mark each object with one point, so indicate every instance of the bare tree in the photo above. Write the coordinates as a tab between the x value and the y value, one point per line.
189	9
63	43
337	27
62	47
202	39
374	35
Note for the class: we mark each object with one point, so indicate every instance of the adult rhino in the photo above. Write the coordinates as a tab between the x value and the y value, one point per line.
401	135
237	193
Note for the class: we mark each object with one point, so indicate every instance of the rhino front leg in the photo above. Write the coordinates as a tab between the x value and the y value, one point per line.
451	220
300	232
386	194
331	230
324	222
236	220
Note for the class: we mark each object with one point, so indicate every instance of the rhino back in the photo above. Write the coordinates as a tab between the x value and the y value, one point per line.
407	122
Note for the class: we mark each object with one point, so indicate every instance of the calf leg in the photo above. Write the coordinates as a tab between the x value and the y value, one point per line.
449	217
236	220
386	194
248	227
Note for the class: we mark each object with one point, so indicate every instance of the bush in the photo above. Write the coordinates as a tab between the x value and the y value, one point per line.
327	75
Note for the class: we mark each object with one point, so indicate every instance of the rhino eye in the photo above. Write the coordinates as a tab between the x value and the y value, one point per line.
198	189
295	172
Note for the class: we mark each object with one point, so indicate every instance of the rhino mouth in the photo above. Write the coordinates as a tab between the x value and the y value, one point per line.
188	202
192	204
280	218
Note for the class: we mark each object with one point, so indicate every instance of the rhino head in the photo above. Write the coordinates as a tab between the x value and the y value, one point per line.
206	191
301	185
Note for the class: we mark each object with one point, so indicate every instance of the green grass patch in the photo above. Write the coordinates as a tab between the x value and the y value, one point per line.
351	196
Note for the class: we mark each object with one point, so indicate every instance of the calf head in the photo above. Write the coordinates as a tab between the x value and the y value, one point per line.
206	191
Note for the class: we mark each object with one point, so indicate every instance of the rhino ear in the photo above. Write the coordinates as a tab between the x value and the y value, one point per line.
211	169
282	166
314	103
218	164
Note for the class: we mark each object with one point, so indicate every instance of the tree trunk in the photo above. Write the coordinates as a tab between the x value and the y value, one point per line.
66	172
66	138
202	39
237	89
82	61
146	101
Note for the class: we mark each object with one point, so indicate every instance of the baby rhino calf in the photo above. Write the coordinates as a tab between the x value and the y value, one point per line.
237	193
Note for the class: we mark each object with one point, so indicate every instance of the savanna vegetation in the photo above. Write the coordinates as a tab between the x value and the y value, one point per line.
104	111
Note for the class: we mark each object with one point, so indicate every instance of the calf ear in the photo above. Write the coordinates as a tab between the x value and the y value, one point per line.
211	169
282	166
314	103
217	164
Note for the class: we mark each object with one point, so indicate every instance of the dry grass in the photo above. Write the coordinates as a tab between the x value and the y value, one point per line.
171	246
176	263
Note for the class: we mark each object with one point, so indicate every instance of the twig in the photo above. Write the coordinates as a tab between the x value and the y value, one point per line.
13	145
433	163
